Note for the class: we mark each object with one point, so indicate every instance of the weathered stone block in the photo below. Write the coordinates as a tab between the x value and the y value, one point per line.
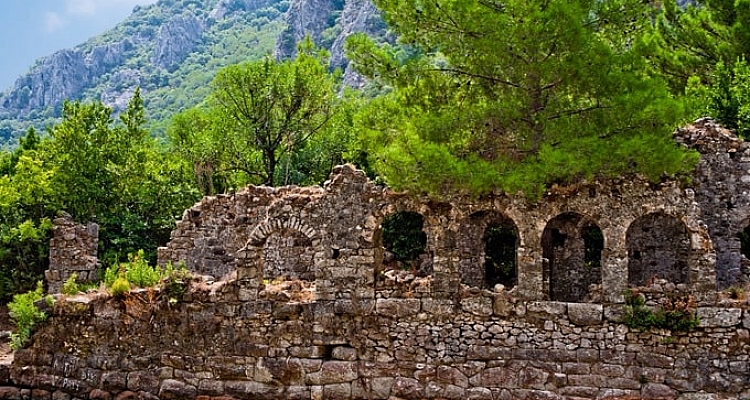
452	376
658	391
337	372
253	390
479	394
585	314
344	353
174	389
407	388
338	391
546	308
374	388
438	307
398	307
480	306
499	377
143	381
719	317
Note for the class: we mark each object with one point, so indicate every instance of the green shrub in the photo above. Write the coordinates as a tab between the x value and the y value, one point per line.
70	287
176	280
139	273
677	313
135	271
120	287
25	315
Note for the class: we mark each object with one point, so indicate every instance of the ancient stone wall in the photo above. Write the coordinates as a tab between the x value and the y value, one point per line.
407	342
305	302
335	237
73	250
722	188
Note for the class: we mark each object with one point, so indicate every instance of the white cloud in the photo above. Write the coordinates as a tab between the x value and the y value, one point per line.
92	7
53	21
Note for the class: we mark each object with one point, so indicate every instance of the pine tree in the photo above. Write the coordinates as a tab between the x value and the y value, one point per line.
515	95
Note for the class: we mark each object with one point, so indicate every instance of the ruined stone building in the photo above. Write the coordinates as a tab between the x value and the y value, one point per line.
603	237
506	299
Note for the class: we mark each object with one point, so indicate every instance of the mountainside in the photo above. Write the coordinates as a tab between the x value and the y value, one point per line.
172	50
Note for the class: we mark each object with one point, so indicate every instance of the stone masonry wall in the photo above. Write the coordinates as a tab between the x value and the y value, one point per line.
73	250
301	303
722	191
220	343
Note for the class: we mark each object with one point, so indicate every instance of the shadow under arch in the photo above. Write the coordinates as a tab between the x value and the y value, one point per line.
658	247
488	243
572	247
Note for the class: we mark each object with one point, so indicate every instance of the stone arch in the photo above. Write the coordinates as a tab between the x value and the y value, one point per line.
571	246
489	242
264	230
283	248
658	247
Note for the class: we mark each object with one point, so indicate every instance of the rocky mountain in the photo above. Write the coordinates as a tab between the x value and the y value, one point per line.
172	50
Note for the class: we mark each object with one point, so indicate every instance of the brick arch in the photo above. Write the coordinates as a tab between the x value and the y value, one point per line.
267	228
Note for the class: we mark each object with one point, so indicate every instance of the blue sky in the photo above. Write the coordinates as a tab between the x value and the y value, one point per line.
36	28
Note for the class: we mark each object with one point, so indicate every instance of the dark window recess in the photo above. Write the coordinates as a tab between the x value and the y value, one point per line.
403	235
500	255
593	243
558	238
744	237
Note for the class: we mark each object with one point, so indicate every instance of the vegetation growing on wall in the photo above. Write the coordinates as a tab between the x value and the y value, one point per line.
25	315
676	313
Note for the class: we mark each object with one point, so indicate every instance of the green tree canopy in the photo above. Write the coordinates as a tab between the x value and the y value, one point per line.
97	170
692	41
275	107
267	122
514	95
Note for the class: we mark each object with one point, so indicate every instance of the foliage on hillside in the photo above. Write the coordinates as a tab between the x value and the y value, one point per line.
239	36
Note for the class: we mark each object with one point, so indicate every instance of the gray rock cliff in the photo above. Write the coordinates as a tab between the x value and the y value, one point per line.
176	40
321	18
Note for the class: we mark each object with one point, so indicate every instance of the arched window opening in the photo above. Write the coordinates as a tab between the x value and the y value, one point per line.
404	239
572	249
500	244
658	248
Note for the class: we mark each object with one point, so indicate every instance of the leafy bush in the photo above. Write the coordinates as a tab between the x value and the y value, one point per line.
176	280
70	287
25	315
120	287
136	271
677	313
